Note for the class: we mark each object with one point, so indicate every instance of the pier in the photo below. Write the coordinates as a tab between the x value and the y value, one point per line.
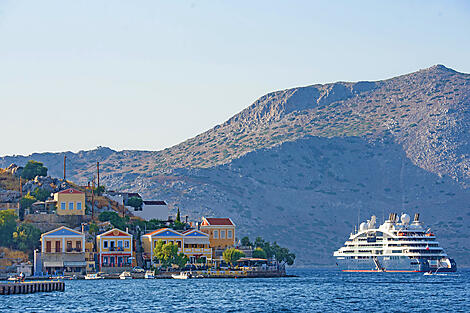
31	287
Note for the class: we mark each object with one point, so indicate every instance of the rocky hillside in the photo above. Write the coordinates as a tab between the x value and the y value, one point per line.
299	165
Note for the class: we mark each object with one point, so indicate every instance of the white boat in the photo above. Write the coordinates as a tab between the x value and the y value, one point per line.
94	276
182	275
125	275
393	246
149	275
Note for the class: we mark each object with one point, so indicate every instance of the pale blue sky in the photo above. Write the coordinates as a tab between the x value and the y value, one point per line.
149	74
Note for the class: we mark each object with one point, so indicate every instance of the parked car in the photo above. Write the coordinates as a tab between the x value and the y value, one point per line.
138	269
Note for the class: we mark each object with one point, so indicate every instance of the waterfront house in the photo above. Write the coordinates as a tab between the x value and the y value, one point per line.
221	232
196	246
150	240
63	251
115	251
70	202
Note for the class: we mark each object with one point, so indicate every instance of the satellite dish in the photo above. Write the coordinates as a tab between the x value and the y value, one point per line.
405	218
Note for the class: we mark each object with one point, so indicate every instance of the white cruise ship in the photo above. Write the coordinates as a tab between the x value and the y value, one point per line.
395	246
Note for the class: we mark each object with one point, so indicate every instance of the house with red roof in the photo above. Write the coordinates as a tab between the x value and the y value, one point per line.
70	202
115	251
221	231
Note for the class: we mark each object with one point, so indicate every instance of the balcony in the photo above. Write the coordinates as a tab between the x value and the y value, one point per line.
115	249
197	251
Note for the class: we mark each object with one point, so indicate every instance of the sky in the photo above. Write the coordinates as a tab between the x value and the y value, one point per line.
147	75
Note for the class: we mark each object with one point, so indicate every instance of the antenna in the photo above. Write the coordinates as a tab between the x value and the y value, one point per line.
98	172
65	165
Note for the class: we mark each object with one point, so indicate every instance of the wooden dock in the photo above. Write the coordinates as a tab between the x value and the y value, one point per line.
31	287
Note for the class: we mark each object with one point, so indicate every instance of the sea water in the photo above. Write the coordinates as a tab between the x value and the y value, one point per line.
311	291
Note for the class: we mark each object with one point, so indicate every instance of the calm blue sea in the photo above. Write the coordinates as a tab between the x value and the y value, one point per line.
312	291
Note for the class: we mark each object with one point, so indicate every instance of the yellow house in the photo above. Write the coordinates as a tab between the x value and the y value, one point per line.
89	257
70	202
196	246
193	243
221	232
115	249
63	250
149	241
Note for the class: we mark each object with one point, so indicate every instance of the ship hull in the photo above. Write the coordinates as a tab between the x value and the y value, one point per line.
387	264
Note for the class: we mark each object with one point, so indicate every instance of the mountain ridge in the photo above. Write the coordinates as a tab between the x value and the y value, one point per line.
415	124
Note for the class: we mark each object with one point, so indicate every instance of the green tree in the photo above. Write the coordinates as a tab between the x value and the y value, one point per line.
41	194
259	253
7	227
135	202
93	229
181	260
232	255
33	169
25	203
167	254
246	242
26	237
114	219
178	216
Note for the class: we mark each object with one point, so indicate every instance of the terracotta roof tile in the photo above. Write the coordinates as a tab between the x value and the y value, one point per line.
219	221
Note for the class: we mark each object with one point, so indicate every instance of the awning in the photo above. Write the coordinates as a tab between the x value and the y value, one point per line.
53	264
199	241
74	263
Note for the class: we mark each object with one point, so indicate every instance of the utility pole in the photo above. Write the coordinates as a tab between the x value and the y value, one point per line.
98	172
93	199
65	160
21	188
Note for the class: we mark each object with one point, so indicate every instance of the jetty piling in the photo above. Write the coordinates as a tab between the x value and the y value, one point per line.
31	287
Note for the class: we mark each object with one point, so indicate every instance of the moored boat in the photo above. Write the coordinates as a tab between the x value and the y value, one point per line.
149	275
182	275
395	246
125	275
93	276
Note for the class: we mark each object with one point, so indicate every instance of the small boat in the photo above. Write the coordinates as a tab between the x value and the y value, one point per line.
13	278
94	276
182	275
125	275
149	275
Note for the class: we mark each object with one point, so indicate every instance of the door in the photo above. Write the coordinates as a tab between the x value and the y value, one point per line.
48	246
57	247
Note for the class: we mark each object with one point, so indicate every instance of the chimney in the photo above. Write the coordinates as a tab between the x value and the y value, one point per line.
127	229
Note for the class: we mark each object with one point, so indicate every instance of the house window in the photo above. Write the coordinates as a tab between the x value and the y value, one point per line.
57	247
105	260
119	244
105	244
216	234
48	246
79	205
126	244
222	234
229	234
78	245
69	246
62	205
70	205
178	242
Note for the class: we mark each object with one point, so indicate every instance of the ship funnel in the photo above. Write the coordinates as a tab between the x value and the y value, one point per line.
416	219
